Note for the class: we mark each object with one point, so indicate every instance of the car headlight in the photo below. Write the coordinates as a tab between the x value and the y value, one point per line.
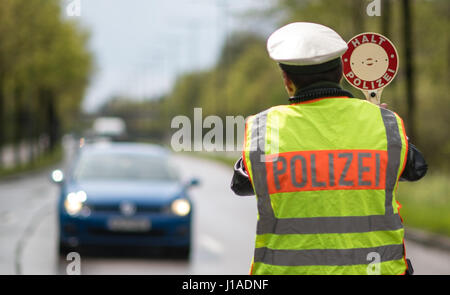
181	207
74	202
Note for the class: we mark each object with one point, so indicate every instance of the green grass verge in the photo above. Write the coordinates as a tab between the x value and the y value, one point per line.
45	161
426	203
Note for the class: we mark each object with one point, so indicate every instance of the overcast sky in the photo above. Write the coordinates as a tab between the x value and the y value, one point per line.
140	46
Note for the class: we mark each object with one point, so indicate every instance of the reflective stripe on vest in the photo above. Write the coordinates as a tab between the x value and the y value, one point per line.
325	199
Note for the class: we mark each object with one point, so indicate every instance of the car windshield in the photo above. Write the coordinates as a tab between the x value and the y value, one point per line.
123	166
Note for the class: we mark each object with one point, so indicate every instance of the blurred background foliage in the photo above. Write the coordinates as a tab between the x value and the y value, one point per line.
44	70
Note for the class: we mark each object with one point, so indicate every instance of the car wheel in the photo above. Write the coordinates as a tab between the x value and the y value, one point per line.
185	252
182	253
64	249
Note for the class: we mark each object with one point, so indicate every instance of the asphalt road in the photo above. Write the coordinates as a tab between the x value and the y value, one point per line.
224	231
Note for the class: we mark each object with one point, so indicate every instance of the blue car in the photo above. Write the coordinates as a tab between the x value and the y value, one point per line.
123	194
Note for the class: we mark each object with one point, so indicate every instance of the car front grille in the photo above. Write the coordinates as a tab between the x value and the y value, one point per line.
106	232
114	208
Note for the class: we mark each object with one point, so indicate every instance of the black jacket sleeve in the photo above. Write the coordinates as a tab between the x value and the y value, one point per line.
240	183
415	167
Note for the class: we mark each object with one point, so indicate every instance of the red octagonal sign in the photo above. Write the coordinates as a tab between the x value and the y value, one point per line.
370	62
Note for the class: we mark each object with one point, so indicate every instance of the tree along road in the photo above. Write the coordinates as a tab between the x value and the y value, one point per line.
223	231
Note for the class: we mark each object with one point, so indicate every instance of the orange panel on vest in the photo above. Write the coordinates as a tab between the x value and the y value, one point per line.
326	170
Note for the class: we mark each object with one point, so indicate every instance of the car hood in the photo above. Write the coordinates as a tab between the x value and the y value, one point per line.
144	192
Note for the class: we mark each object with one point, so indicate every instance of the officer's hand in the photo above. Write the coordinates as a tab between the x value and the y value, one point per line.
384	106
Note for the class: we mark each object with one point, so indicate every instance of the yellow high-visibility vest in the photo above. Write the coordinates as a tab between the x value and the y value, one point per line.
325	174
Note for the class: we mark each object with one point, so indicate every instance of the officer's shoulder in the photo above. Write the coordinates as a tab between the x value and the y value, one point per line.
363	102
368	104
266	111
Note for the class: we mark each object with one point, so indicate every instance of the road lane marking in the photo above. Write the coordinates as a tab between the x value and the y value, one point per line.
211	244
38	216
6	217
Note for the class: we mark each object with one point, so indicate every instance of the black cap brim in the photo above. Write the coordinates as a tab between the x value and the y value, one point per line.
311	69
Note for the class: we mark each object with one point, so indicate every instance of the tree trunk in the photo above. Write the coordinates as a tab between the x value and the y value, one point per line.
42	119
386	18
358	14
2	120
409	68
31	128
19	124
53	127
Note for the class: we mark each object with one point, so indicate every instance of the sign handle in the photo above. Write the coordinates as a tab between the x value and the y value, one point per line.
373	96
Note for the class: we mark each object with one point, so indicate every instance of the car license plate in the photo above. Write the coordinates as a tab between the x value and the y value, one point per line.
123	224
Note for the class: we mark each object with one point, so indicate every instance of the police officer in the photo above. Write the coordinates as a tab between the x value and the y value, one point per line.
324	168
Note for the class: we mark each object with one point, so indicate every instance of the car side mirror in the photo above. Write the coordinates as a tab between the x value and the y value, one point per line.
193	182
57	176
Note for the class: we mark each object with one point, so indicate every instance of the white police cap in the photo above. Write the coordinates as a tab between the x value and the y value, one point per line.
305	44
